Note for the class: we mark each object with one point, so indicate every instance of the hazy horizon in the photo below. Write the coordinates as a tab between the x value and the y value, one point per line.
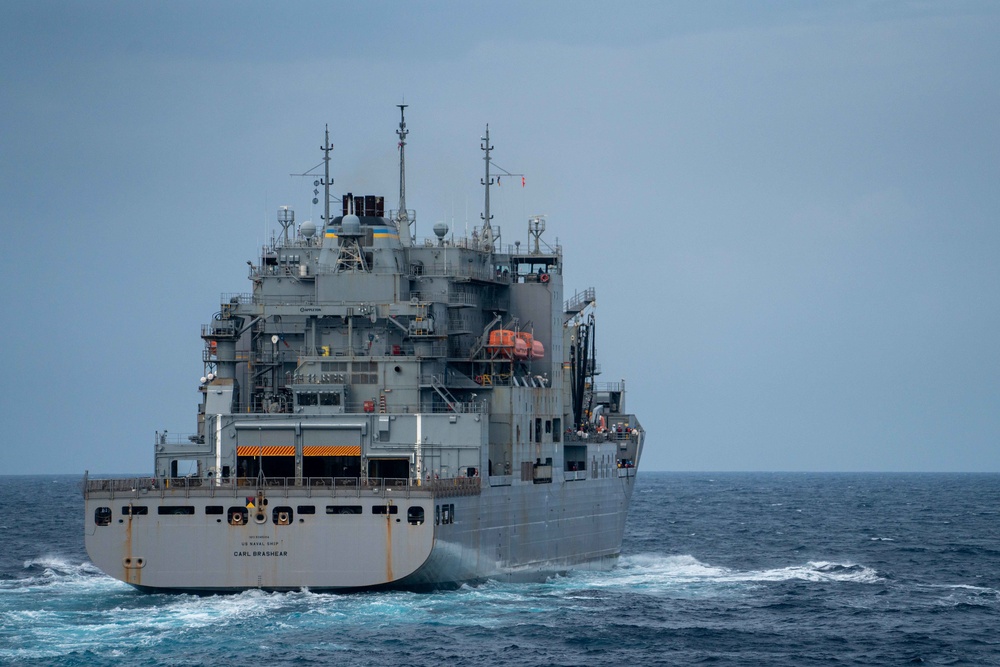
789	210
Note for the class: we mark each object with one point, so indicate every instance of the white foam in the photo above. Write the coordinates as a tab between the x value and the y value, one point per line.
56	571
657	572
966	587
820	571
59	565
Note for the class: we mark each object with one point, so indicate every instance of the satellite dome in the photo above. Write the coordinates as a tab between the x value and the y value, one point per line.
351	225
441	229
308	229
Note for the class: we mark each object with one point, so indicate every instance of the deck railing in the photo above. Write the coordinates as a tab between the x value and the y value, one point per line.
381	487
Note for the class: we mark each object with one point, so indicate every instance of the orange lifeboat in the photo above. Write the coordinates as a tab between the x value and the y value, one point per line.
520	349
514	345
501	343
523	345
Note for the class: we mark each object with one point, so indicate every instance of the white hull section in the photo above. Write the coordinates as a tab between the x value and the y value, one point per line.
323	540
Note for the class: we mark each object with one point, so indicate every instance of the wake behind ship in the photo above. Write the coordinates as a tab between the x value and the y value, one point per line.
384	412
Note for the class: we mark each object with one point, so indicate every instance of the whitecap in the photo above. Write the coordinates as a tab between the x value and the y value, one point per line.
966	587
685	573
54	570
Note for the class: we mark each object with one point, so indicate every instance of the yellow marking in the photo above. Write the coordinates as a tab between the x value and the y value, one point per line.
265	451
331	451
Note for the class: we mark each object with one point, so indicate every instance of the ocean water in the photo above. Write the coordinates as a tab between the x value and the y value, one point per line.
723	569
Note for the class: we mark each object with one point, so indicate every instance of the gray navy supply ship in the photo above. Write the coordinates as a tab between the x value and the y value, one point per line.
384	412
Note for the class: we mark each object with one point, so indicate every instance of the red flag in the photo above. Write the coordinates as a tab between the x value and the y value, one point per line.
522	181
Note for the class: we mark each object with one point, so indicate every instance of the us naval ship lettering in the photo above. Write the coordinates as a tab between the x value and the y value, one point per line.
384	412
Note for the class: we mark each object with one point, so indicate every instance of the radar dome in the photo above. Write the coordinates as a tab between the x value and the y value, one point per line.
308	229
441	229
351	225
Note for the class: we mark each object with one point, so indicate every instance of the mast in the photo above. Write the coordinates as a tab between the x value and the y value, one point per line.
487	182
402	217
327	181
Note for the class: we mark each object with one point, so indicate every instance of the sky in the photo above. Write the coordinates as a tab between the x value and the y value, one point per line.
790	210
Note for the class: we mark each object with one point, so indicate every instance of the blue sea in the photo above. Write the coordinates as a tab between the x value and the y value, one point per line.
716	568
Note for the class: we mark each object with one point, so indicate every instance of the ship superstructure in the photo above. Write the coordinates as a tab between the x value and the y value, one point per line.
382	411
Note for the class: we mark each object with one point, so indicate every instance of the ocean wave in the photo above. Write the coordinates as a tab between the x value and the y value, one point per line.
657	571
964	593
53	570
57	566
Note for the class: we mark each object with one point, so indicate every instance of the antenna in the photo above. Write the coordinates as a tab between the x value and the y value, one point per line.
487	182
489	237
402	217
326	181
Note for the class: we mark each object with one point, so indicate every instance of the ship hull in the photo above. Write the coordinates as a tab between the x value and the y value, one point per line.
336	540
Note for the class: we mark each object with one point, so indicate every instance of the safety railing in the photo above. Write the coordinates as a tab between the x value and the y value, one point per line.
580	300
239	487
455	486
328	353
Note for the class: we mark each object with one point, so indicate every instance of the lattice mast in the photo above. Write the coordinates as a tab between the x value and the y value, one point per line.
351	256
